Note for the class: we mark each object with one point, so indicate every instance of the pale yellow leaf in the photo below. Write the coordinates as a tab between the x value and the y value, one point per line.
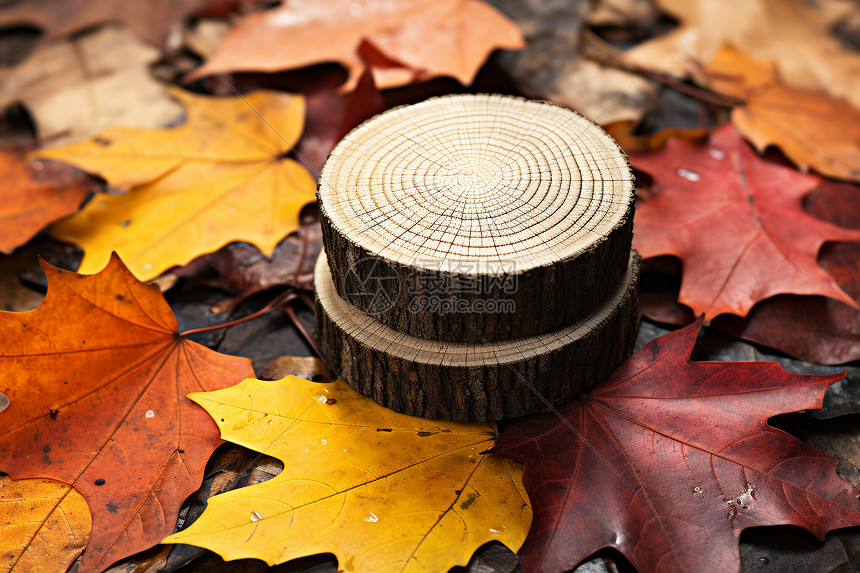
45	525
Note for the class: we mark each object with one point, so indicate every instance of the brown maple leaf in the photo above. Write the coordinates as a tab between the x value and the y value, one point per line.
669	460
736	222
404	40
241	269
103	75
150	19
31	199
96	379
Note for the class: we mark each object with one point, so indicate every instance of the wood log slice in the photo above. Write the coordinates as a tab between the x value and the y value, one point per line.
467	381
477	217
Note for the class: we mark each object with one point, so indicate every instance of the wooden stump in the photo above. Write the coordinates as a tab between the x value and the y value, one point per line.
465	381
478	257
461	199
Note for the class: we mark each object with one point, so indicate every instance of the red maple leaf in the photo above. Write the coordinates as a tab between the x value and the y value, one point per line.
812	328
736	222
668	460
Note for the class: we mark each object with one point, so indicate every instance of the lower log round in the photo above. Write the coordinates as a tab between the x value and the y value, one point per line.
473	381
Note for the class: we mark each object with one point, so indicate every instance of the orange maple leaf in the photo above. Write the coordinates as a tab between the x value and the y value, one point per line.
812	128
96	379
405	41
30	200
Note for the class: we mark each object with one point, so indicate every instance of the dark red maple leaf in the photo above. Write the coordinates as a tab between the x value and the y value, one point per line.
331	115
736	222
668	460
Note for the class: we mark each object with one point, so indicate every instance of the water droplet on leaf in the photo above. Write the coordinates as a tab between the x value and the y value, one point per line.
688	175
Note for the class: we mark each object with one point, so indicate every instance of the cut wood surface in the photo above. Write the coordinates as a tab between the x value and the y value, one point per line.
433	211
475	382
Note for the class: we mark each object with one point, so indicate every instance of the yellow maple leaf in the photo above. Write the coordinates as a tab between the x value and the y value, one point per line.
46	525
219	177
382	491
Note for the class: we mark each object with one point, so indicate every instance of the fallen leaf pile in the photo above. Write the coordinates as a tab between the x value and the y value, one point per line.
150	19
242	269
736	219
815	328
91	75
794	33
180	142
669	460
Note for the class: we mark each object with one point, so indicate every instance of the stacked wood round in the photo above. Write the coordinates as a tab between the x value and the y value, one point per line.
478	260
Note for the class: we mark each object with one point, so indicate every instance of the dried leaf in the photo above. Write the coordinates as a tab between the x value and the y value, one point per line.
102	75
150	19
815	329
204	36
331	115
812	129
306	367
669	460
96	379
623	14
550	66
31	197
230	467
602	94
736	222
44	521
241	269
380	490
222	176
793	33
622	132
419	39
21	276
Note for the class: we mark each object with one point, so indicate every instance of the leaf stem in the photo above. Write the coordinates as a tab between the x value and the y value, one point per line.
276	302
310	341
616	58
